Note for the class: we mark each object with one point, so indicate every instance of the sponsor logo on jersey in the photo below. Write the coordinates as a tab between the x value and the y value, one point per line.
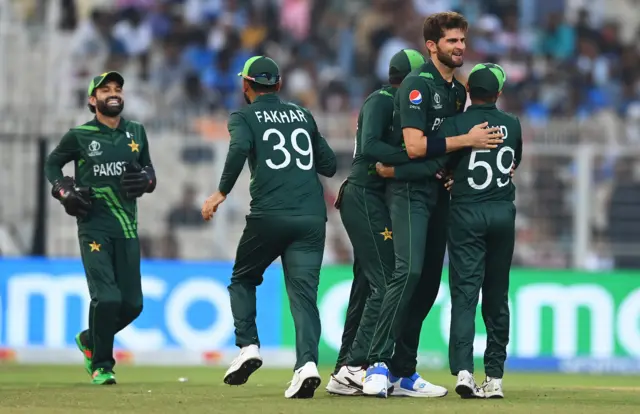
415	97
94	149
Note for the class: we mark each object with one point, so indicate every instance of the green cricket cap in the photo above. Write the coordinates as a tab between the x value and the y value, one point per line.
487	76
404	62
102	79
262	70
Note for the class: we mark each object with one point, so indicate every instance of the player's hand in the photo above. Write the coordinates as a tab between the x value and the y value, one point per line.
135	181
448	183
211	204
481	137
513	170
75	200
385	171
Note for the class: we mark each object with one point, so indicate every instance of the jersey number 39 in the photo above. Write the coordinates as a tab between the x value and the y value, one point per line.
305	159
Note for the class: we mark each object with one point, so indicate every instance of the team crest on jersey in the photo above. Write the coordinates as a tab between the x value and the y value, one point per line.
415	97
94	149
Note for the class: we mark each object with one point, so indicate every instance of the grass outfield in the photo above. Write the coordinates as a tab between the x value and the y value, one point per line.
142	390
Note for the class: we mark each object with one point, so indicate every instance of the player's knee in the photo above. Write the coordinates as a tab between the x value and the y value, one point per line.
245	278
130	311
111	300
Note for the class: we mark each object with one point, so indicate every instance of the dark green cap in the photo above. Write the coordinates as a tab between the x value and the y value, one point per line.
404	62
102	79
487	76
262	70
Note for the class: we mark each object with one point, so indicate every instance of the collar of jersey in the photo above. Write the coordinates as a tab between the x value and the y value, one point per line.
267	97
482	106
437	77
104	128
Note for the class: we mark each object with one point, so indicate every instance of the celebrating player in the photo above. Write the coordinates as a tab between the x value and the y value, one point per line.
365	216
287	219
112	169
419	208
481	232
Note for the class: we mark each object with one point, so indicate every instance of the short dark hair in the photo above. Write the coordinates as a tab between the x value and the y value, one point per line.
483	95
436	24
260	88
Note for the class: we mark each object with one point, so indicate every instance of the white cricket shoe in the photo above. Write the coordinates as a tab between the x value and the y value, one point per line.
304	383
492	388
336	388
348	381
376	381
466	386
416	386
243	366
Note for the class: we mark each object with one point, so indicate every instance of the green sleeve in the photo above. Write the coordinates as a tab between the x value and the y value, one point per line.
447	129
414	114
145	156
323	156
377	118
518	150
239	149
421	169
66	151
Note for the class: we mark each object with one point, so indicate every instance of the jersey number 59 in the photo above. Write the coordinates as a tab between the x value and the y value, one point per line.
304	162
504	166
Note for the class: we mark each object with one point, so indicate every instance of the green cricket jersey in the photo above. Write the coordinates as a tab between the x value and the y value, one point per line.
375	125
99	154
483	175
286	153
423	101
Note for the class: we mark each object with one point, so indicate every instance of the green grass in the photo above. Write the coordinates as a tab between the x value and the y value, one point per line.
142	390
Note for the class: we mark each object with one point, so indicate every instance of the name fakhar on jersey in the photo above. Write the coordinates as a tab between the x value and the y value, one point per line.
281	117
109	169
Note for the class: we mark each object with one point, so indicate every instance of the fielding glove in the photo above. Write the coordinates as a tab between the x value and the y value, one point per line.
135	181
76	200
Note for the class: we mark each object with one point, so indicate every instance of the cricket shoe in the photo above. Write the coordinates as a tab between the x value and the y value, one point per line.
86	353
376	381
348	381
415	386
492	388
243	366
102	376
304	383
466	386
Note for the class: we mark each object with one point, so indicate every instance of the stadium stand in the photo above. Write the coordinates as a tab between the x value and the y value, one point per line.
571	78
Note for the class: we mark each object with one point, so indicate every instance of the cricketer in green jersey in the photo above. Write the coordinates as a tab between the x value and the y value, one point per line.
419	209
288	217
112	169
365	216
481	232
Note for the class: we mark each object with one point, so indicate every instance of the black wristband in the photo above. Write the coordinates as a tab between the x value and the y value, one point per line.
436	146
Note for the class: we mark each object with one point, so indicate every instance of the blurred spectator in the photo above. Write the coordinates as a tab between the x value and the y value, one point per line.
136	35
558	39
186	213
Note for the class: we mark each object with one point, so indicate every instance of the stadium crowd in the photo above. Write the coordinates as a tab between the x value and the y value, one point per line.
181	58
335	52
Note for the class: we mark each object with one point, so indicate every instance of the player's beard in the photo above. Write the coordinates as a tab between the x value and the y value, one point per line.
246	99
447	60
109	110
